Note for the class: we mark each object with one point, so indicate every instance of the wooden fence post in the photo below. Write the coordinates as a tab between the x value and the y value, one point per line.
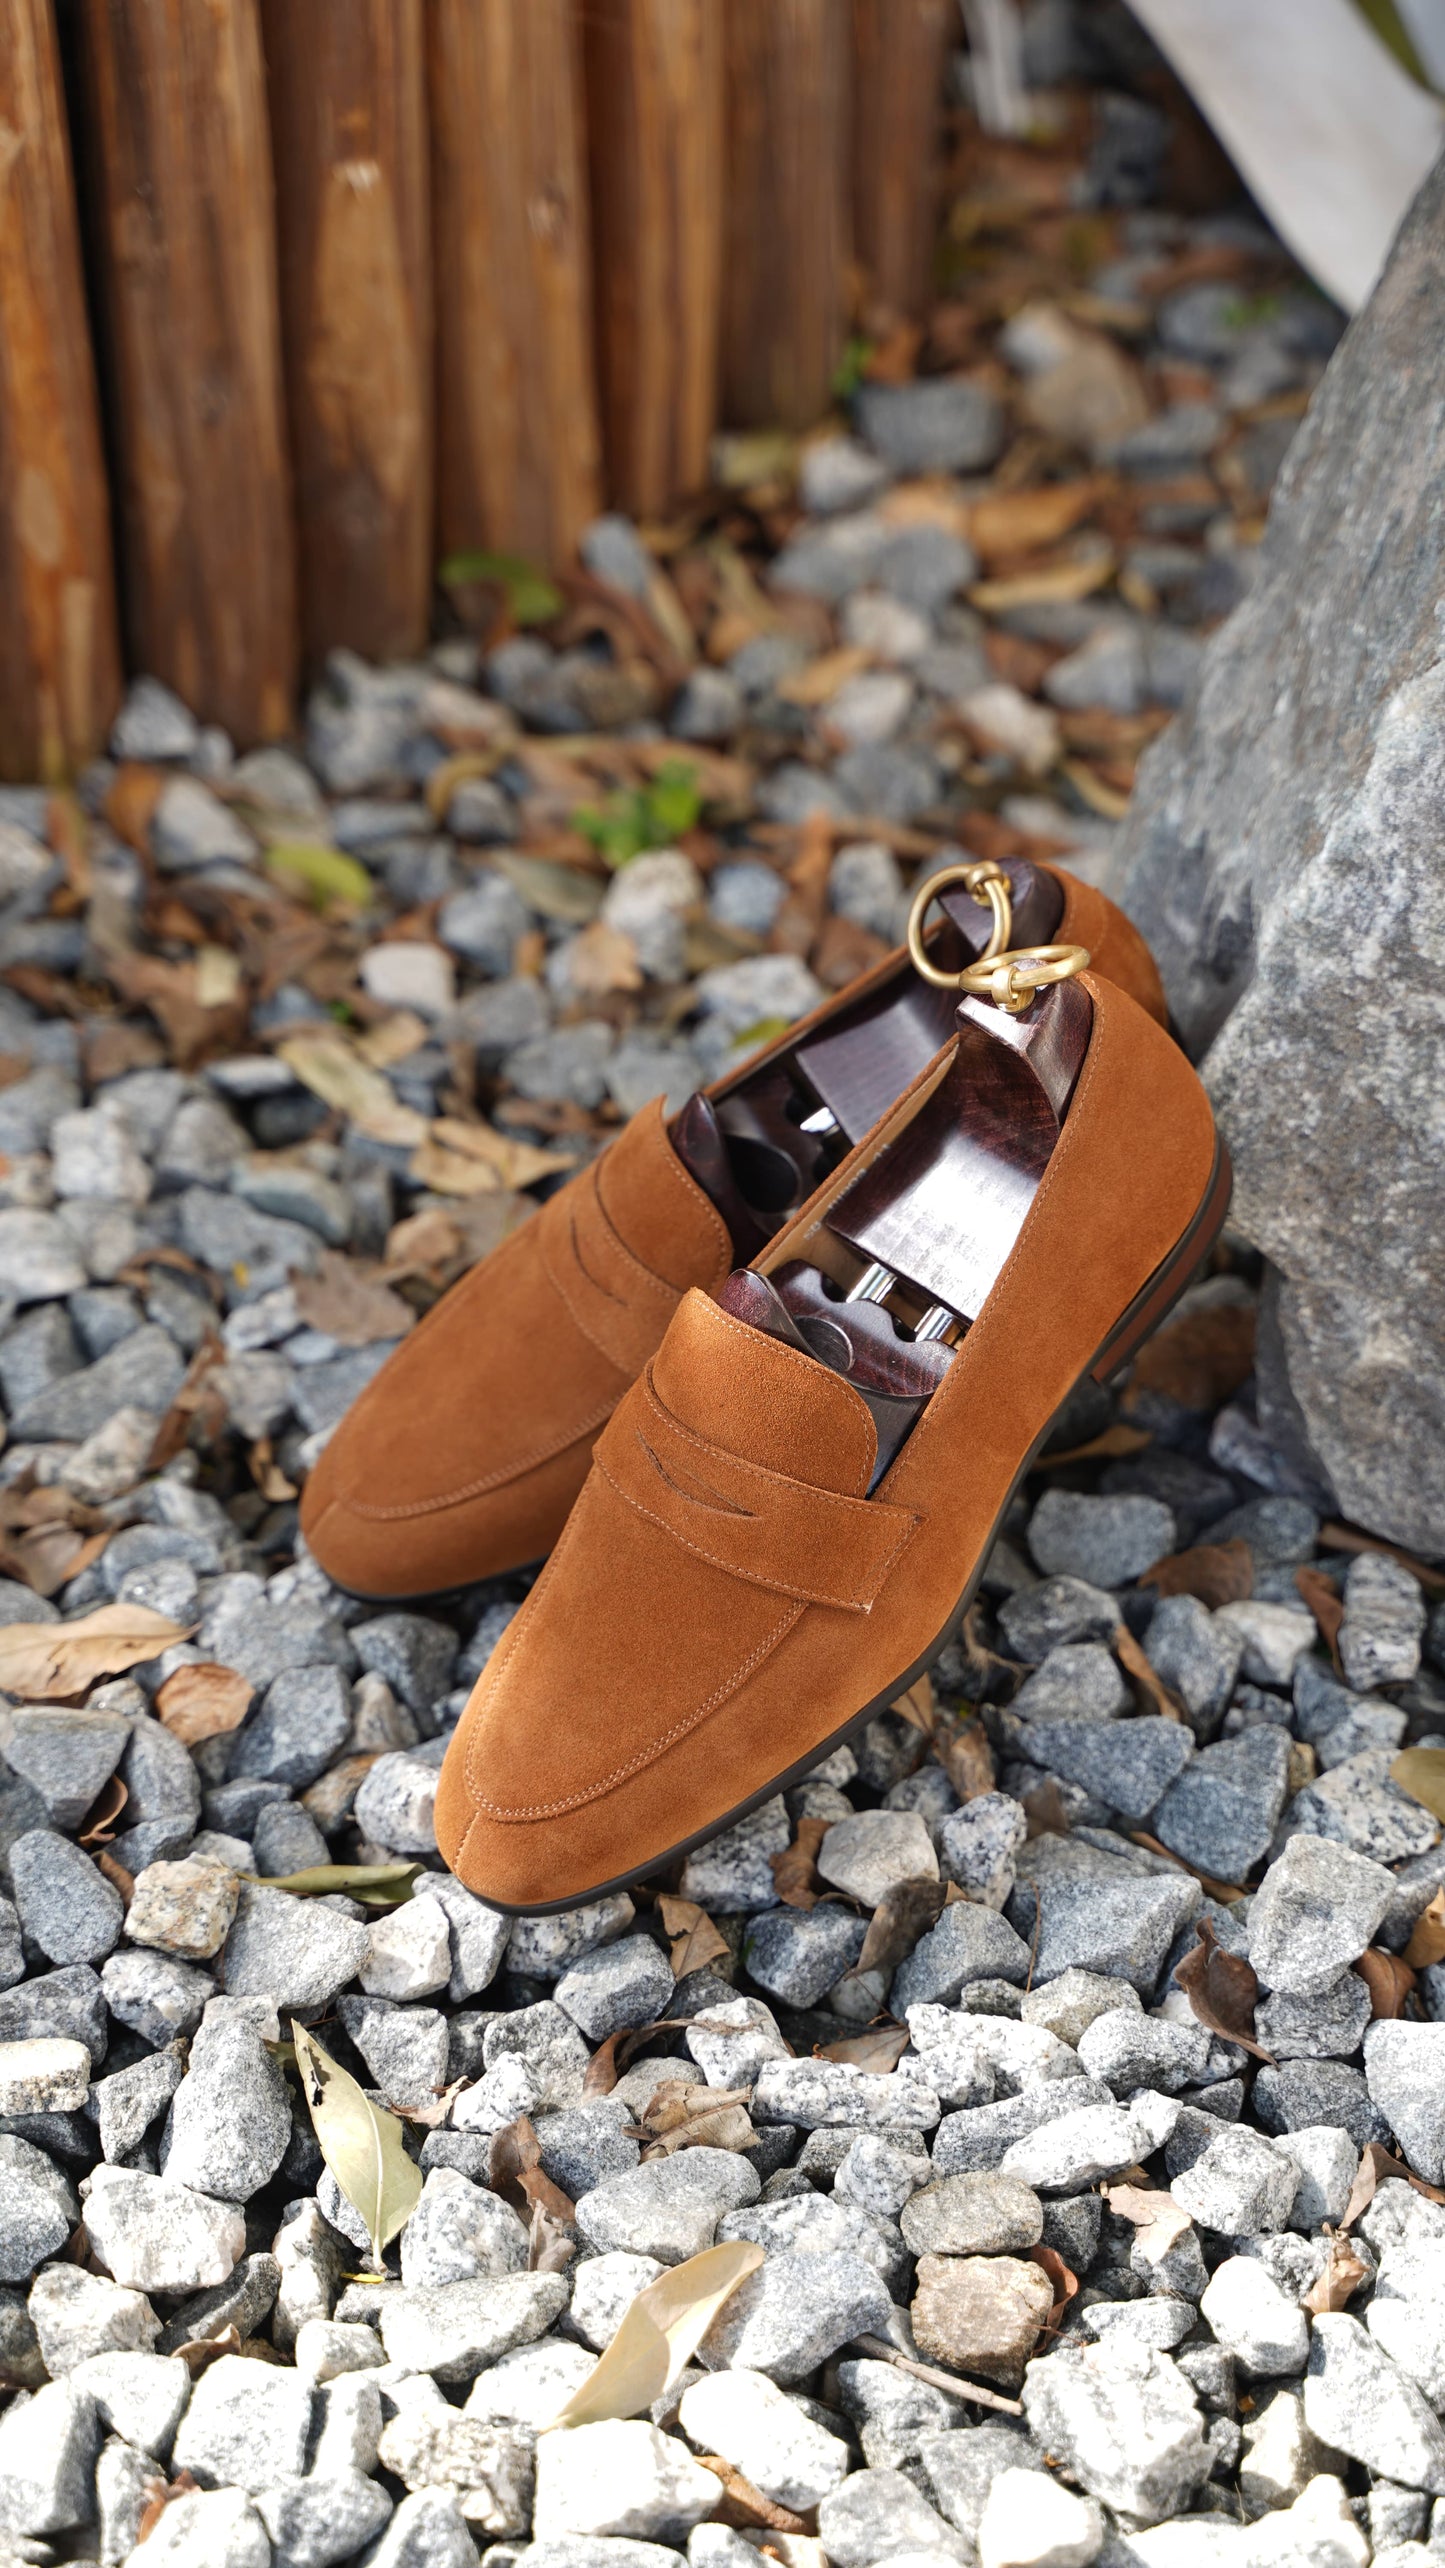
899	51
59	652
655	128
347	89
788	226
186	251
518	467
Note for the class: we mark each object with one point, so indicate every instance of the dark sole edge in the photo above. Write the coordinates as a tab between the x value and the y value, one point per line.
1149	1307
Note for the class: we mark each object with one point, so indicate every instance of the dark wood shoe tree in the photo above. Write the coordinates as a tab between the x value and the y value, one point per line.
762	1149
935	1215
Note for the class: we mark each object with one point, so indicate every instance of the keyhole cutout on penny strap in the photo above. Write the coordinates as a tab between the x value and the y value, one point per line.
944	1205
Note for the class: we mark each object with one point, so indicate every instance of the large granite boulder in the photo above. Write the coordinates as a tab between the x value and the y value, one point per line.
1285	855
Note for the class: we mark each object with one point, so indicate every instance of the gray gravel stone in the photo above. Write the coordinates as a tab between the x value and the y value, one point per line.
459	2233
404	2047
1240	2185
1329	2024
414	1654
1356	1805
313	2522
143	1372
66	1904
67	2003
1128	1764
1100	2140
1405	2072
1221	1814
1301	2093
1313	1914
154	1995
972	2215
138	2395
294	1951
834	2095
619	1984
38	2211
1379	1639
798	1954
1120	1928
981	2136
67	1757
248	2425
1123	2421
395	1805
231	2119
1106	1541
126	2105
968	1943
76	2314
1362	2404
669	2208
457	2330
48	2449
1129	2051
300	1728
158	2236
1078	1681
730	1875
867	1854
944	425
1328	2159
1054	1611
794	2312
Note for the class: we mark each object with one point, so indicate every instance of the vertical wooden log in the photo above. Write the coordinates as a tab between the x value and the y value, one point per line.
785	281
900	48
186	254
347	89
59	651
518	459
655	125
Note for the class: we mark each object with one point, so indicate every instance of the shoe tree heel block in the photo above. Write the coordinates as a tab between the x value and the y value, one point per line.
935	1216
762	1149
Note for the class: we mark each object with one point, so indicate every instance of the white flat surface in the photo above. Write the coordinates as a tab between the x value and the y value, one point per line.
1331	135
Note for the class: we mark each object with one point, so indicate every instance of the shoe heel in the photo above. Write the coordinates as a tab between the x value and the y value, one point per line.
1170	1280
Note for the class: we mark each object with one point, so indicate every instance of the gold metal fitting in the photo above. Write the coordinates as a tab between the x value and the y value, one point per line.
988	883
1010	980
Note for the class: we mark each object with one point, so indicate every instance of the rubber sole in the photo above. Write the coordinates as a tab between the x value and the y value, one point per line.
1144	1314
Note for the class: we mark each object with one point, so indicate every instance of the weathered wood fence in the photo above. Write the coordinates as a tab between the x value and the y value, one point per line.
298	296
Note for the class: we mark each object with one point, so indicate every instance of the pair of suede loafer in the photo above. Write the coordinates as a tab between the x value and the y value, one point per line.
763	1380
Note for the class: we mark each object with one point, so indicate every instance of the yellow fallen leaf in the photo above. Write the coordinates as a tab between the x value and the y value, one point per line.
659	2334
50	1662
1058	580
396	1038
203	1702
1421	1773
601	959
823	677
516	1163
361	2144
329	1066
1090	787
1427	1944
323	873
451	1172
218	977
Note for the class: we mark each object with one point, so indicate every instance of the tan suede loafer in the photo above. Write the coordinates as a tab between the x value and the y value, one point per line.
464	1456
768	1551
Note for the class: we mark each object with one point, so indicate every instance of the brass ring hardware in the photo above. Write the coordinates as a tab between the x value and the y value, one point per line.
1010	980
987	882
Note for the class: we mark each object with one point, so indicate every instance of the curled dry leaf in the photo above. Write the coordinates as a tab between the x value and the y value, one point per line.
1222	1991
348	1306
1323	1598
203	1702
659	2334
514	2170
361	2144
1156	1693
1389	1979
512	1163
51	1662
744	2506
551	2243
1418	1771
1156	2211
1348	1538
903	1915
1377	2163
690	2117
199	2352
1065	2282
988	1678
963	1751
612	2058
1224	1891
1113	1444
795	1870
1217	1573
117	1875
330	1067
1427	1944
98	1825
1342	2276
878	2050
695	1940
159	2494
1045	1809
917	1707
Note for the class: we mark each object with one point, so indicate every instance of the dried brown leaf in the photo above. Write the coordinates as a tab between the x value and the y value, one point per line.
203	1702
1389	1979
52	1662
1326	1604
963	1751
1227	1891
1222	1991
355	1309
515	2150
1112	1444
160	2493
551	2245
988	1678
1348	1538
98	1826
1342	2276
1427	1944
1046	1810
513	1164
795	1870
689	2117
1377	2163
117	1875
878	2050
1217	1573
660	2333
327	1064
1199	1360
197	1404
1418	1771
695	1940
1156	2211
744	2506
1065	2282
1157	1694
1024	521
601	959
918	1706
902	1917
199	2352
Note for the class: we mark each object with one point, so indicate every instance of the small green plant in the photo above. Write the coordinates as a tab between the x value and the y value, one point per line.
530	595
652	815
848	373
